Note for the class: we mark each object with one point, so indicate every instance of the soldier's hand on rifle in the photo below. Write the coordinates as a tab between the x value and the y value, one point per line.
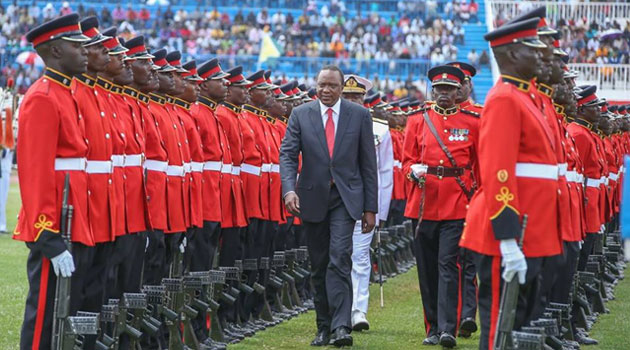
292	202
63	264
513	261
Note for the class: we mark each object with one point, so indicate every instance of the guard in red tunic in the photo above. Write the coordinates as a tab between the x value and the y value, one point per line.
518	177
217	187
51	145
229	114
464	98
439	155
583	130
126	259
95	111
145	81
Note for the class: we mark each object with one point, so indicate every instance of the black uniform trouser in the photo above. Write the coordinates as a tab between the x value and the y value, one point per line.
330	252
561	291
396	211
154	258
172	241
231	249
436	245
285	236
37	327
95	282
468	284
587	249
489	298
126	265
202	245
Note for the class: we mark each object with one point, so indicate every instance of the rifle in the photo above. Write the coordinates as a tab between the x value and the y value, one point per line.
193	306
507	310
379	262
175	301
63	285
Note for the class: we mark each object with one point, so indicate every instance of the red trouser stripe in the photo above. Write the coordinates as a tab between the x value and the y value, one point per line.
41	303
496	299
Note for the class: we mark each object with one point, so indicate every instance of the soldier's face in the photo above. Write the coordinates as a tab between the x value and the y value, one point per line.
526	61
354	97
72	55
215	89
445	95
590	113
191	89
277	108
259	97
115	65
126	75
288	107
237	95
329	87
464	92
98	57
141	71
560	94
166	81
556	70
178	84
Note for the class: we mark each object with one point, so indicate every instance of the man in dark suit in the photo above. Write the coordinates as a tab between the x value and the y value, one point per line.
337	186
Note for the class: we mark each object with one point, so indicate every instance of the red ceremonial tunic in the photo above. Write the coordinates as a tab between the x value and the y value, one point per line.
228	115
276	212
103	87
212	142
98	134
586	147
136	208
518	170
155	164
444	199
255	151
50	128
399	191
194	176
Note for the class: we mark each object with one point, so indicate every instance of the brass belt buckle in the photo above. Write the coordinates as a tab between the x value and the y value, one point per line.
439	171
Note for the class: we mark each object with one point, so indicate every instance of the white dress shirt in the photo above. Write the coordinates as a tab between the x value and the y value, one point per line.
324	110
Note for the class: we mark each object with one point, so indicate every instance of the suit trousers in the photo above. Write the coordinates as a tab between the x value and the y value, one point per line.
361	268
436	245
330	251
489	299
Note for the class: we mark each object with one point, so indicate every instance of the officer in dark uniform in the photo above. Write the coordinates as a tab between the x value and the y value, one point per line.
51	145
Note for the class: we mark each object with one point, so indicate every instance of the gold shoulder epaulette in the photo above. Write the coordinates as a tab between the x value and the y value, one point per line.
473	113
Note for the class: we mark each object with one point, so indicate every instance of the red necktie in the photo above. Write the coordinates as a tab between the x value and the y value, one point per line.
330	132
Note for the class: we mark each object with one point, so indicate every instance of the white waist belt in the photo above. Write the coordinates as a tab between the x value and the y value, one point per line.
590	182
118	160
155	165
196	167
70	164
538	171
613	176
397	164
99	167
236	170
249	169
175	170
212	166
265	168
562	169
187	168
275	168
226	168
603	180
133	160
574	176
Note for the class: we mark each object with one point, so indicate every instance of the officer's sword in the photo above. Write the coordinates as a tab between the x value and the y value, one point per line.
507	308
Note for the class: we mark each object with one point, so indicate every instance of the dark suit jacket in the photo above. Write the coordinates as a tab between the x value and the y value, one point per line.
353	167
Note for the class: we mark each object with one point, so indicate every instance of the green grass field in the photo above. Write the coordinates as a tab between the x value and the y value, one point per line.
397	326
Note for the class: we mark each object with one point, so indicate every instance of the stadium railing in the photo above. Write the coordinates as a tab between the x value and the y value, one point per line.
607	77
590	11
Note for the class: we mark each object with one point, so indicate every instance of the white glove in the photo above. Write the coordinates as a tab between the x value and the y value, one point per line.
146	245
182	246
419	170
63	264
513	261
602	229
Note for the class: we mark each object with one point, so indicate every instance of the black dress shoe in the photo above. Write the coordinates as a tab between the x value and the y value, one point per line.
585	339
341	337
467	327
431	340
321	339
447	340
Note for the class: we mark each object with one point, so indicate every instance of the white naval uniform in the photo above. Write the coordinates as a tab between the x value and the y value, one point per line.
361	265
